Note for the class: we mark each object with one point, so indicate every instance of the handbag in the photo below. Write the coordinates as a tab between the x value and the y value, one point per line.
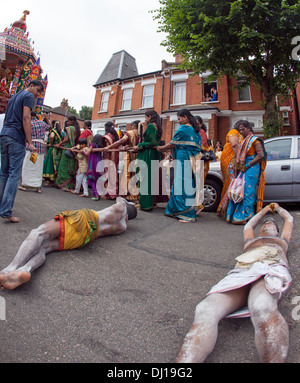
33	157
69	154
236	188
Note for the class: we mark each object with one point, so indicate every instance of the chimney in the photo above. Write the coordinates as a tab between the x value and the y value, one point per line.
178	59
64	104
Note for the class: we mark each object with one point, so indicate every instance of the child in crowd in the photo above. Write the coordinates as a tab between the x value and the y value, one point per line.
95	170
81	152
218	152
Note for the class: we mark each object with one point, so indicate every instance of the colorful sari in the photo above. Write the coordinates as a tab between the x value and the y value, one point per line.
88	134
183	202
92	174
227	158
66	174
243	211
146	154
112	183
125	186
51	162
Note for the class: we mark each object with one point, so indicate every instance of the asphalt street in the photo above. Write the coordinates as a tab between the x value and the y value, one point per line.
129	298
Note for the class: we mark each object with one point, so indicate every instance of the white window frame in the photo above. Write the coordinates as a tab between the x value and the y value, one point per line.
149	97
285	118
127	99
179	87
104	102
240	99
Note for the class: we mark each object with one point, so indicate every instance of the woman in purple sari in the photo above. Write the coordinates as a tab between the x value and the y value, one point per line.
94	165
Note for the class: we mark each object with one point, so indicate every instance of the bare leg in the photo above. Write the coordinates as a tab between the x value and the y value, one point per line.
201	338
15	278
33	243
271	329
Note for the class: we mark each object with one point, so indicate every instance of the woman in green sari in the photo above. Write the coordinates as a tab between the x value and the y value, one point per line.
51	162
66	174
147	153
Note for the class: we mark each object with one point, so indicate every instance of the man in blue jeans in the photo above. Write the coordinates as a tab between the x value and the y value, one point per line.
15	133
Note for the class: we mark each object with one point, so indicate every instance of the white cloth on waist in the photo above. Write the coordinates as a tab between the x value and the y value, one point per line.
32	174
277	280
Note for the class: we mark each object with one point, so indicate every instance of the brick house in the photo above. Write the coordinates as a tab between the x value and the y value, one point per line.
123	95
61	113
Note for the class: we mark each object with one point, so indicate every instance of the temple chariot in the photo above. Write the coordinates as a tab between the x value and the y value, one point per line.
18	63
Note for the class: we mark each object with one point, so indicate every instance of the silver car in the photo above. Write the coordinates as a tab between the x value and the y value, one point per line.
282	174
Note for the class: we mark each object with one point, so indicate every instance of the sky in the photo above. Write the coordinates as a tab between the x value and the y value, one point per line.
76	39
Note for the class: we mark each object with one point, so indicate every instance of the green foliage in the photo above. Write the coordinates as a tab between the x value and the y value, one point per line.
228	37
272	123
86	113
73	111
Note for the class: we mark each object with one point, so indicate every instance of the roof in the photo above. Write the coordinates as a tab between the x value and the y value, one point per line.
121	66
59	111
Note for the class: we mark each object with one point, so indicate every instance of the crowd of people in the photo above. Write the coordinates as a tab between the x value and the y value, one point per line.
72	159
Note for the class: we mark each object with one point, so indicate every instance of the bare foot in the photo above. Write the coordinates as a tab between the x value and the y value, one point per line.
14	219
84	195
14	279
184	221
198	211
21	188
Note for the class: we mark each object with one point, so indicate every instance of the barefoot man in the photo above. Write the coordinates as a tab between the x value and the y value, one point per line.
259	278
68	230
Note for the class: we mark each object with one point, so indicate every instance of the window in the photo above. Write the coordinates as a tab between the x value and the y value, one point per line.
104	102
127	96
179	97
210	92
175	128
148	96
243	91
279	149
298	148
285	117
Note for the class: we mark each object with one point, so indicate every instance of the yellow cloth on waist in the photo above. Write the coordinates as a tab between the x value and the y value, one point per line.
77	228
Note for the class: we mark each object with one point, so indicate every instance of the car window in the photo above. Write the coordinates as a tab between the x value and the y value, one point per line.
278	149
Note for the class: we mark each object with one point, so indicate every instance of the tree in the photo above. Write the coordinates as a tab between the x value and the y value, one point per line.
86	112
72	110
253	37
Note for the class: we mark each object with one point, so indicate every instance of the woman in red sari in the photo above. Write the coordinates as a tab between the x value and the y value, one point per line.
87	132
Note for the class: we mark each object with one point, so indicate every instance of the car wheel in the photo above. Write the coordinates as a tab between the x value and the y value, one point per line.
212	195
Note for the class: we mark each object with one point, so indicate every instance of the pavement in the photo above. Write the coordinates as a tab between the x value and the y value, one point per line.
129	298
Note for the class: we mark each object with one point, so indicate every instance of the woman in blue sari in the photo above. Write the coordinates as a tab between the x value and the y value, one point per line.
186	147
250	159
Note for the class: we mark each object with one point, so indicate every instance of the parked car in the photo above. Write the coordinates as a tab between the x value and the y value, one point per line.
282	174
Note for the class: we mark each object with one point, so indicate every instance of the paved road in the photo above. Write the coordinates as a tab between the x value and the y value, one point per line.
130	298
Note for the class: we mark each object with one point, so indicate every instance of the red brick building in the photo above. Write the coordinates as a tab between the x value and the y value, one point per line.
61	113
123	96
